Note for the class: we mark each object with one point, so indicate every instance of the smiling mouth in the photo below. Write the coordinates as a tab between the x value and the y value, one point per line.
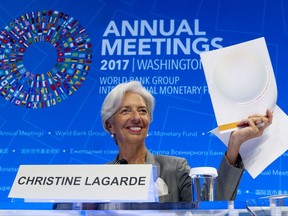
135	129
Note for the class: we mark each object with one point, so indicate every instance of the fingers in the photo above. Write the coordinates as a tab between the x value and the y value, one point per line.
249	128
262	121
269	116
257	122
266	120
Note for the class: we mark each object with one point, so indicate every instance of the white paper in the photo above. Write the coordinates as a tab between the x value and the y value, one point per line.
241	83
260	152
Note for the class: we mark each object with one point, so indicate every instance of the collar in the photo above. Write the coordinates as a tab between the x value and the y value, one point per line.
150	159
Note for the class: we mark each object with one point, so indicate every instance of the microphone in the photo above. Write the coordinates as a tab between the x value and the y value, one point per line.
121	161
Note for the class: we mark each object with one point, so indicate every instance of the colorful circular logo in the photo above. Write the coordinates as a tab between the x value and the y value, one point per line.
42	89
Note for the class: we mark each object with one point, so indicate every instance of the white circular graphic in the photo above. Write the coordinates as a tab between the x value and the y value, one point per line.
240	77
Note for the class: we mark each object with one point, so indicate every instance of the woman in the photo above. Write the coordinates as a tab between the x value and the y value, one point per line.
127	112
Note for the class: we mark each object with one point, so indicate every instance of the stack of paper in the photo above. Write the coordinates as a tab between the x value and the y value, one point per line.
241	83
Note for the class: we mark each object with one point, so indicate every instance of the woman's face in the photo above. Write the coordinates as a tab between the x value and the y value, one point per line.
131	122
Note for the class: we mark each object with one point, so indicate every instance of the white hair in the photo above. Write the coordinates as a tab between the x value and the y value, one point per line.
114	100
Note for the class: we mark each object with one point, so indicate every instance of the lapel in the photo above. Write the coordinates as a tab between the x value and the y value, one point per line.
150	159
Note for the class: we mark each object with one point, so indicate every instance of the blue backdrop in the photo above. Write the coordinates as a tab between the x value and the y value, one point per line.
59	59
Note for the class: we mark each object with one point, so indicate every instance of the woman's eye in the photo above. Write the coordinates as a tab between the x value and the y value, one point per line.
143	111
123	111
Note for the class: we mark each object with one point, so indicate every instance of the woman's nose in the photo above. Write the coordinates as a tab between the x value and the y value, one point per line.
136	116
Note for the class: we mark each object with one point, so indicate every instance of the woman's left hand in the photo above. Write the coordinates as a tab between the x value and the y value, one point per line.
249	128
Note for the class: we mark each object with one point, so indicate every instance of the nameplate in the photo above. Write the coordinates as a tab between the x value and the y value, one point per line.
84	183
